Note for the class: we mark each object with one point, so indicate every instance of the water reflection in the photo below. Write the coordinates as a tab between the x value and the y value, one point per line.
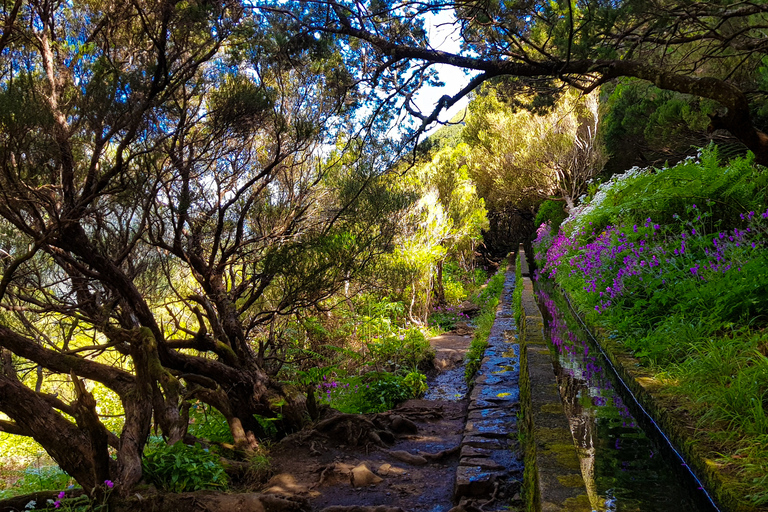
622	468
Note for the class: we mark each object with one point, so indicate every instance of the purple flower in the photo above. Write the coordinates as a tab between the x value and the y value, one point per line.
109	483
56	504
62	494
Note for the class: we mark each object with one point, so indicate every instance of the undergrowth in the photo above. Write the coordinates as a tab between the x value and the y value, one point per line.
488	299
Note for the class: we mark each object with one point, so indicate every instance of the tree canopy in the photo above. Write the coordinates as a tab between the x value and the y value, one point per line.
713	50
179	178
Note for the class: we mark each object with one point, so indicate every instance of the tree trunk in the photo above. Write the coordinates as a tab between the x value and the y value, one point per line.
439	288
64	441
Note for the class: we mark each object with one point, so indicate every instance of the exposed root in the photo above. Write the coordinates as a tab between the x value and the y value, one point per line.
408	458
323	476
420	413
493	497
433	457
350	429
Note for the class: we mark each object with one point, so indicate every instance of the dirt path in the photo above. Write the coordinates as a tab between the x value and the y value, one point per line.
415	472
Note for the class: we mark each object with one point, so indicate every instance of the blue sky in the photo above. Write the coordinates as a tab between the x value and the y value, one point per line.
444	36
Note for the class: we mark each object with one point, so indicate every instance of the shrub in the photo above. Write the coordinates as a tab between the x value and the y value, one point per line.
181	468
446	318
384	391
45	478
552	213
208	423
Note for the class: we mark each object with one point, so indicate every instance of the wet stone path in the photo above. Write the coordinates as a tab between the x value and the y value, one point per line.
490	465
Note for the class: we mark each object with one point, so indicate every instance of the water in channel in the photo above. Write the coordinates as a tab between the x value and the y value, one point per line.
625	467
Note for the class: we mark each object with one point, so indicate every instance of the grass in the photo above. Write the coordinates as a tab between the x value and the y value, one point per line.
488	299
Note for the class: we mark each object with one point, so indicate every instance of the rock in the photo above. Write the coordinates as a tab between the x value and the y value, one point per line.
400	424
472	481
390	470
361	476
284	484
484	442
416	460
482	463
471	451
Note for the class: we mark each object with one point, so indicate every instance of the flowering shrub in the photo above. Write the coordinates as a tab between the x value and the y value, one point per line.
373	392
628	266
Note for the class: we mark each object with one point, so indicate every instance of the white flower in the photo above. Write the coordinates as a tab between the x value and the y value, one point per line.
31	505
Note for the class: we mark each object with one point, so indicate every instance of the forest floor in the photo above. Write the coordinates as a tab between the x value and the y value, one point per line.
416	469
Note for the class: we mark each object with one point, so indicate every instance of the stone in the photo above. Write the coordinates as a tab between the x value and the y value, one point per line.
390	470
499	428
482	463
471	451
400	425
361	476
493	414
409	458
474	482
284	484
487	443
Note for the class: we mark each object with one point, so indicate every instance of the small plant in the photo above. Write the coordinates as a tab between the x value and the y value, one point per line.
83	502
487	299
33	479
205	422
180	468
384	391
446	318
552	213
417	382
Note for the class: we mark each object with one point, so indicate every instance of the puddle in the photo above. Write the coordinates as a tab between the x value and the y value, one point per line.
447	385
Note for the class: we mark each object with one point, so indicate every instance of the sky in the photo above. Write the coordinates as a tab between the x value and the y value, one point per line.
444	36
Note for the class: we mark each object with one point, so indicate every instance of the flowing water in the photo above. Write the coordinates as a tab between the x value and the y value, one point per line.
626	467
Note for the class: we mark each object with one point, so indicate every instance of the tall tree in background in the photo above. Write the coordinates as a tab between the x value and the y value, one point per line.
520	158
706	49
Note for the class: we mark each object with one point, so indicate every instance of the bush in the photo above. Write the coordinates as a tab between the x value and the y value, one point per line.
384	391
181	468
672	263
208	423
446	318
372	392
551	212
403	349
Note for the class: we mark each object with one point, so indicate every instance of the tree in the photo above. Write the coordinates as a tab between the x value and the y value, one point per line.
710	50
457	213
165	202
445	220
520	158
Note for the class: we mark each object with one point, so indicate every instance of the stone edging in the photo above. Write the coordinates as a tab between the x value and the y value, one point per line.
554	480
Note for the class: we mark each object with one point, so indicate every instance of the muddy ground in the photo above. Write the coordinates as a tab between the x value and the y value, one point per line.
415	471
